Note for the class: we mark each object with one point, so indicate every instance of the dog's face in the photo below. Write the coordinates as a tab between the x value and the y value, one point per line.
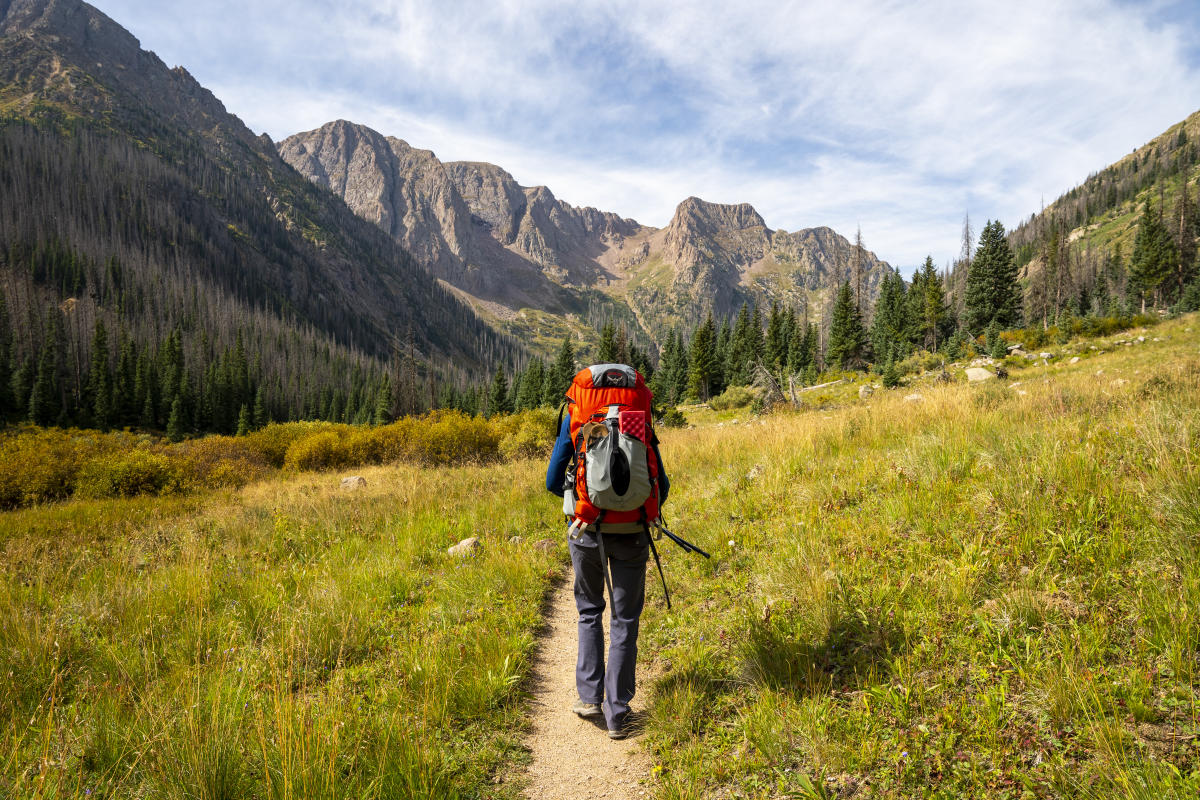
594	432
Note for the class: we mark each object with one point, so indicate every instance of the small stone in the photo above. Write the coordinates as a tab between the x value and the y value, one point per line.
977	374
864	392
1141	338
914	398
354	482
516	539
1045	355
466	547
1074	360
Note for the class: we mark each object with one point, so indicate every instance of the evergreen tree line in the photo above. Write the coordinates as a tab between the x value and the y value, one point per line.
183	385
192	235
1159	272
540	384
714	359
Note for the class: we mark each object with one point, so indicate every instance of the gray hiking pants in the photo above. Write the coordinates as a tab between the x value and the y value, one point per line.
627	554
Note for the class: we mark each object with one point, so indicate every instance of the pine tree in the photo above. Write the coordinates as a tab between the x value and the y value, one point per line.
742	349
262	417
890	376
846	335
99	386
382	413
559	377
532	390
175	424
45	403
776	342
243	421
992	290
661	385
608	344
702	360
7	404
889	329
928	306
498	399
1153	257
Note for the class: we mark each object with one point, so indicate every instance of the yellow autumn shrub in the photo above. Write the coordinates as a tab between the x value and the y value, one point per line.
126	474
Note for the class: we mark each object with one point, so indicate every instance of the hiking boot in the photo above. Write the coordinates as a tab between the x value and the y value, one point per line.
587	710
620	729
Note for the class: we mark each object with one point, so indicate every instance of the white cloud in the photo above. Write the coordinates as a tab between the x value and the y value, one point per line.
897	116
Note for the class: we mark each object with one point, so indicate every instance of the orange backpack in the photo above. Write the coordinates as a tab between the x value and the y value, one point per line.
614	475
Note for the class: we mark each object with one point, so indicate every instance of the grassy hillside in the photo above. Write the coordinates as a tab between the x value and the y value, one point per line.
1103	211
989	591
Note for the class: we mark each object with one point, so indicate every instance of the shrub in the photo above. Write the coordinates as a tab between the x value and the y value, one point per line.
733	397
532	437
125	474
920	361
40	466
216	462
324	450
273	441
673	418
451	437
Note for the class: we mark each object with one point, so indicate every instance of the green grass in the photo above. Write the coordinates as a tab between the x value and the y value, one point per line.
286	640
990	592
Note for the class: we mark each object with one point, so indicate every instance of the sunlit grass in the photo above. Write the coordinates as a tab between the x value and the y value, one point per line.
288	640
987	591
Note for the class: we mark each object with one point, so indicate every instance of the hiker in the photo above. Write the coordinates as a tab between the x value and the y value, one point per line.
608	405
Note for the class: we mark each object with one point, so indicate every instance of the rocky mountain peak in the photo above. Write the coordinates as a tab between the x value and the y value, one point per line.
694	215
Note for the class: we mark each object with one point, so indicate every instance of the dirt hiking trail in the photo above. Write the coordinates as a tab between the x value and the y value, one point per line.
573	757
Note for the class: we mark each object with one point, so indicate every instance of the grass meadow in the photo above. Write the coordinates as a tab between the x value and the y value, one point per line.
287	640
989	591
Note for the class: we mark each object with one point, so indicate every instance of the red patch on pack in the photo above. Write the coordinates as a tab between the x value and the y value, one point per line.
633	423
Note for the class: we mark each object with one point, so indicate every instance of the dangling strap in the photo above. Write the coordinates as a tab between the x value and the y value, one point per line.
604	566
658	564
558	425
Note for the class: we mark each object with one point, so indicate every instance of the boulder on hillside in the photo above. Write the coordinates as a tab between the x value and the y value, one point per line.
354	482
977	374
864	391
466	547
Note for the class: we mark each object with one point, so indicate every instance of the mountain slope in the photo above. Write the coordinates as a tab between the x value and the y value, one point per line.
1081	243
526	251
112	158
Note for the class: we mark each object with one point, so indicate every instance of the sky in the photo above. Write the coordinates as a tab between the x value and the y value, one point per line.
894	117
